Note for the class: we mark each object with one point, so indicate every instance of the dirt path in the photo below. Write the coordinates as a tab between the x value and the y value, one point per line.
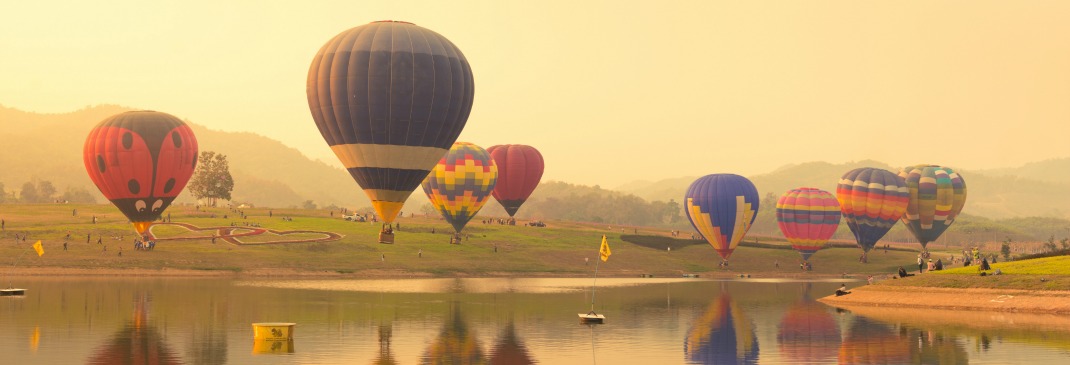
226	233
1033	301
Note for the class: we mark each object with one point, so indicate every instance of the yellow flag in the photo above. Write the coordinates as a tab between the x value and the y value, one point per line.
37	247
604	250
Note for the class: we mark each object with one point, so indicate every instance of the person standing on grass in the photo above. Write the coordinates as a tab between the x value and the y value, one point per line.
921	264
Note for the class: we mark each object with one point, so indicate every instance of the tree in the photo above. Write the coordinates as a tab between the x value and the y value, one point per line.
428	210
1050	245
28	193
212	180
78	195
45	191
3	193
1065	242
1005	249
308	204
674	211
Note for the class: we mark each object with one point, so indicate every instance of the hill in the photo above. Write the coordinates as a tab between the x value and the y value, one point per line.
266	172
1036	189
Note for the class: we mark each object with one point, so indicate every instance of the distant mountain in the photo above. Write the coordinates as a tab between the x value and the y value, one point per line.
1052	171
1035	189
266	172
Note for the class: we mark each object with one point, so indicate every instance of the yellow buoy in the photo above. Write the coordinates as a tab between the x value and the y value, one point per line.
273	331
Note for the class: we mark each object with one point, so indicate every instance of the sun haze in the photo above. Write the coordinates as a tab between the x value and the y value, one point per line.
609	91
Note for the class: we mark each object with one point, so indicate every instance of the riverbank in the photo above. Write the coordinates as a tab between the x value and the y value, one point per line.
289	273
973	299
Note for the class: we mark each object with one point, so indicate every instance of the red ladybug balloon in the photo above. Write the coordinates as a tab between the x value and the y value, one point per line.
141	161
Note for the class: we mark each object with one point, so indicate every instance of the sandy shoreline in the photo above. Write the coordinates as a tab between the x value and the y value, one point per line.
1003	300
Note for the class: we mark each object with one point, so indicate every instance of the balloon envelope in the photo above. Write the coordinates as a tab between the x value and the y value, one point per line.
872	201
723	335
937	195
390	98
807	217
140	161
519	171
461	182
722	208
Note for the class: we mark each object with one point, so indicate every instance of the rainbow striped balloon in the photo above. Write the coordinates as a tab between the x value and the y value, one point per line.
808	217
872	201
937	195
461	182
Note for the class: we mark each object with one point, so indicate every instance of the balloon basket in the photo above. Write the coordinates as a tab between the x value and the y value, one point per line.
455	240
386	237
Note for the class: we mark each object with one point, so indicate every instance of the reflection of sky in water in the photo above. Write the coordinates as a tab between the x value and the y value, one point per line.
471	285
482	285
665	321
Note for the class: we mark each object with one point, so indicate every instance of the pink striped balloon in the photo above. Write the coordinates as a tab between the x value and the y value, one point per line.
808	217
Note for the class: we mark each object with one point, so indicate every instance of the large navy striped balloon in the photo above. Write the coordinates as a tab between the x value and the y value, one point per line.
390	98
722	208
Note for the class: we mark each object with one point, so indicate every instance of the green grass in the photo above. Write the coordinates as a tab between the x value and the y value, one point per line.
559	249
1049	273
1058	265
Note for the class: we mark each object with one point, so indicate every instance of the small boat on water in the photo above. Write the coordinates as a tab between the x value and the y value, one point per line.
12	292
592	317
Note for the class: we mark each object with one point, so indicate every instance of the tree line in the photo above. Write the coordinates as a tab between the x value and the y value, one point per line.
43	191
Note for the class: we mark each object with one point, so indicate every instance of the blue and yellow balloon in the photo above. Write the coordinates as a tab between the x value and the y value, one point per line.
722	208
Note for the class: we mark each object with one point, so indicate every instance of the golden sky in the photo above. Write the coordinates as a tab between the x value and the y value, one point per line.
609	91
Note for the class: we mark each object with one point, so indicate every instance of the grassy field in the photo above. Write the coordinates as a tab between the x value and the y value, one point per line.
422	247
1049	273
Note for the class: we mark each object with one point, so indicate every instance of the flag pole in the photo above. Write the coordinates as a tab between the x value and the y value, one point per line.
594	284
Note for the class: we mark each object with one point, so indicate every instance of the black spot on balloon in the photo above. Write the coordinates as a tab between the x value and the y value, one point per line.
194	162
177	139
133	186
128	140
170	184
100	164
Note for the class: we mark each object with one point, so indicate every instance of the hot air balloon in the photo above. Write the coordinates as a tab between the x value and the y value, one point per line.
723	335
871	342
808	334
519	171
808	217
140	161
461	182
872	201
722	208
937	195
390	98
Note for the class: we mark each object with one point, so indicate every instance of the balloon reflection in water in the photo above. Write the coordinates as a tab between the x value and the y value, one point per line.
870	342
456	344
509	350
386	332
723	335
808	333
137	343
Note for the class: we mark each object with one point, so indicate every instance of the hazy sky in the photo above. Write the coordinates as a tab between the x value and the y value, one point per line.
610	92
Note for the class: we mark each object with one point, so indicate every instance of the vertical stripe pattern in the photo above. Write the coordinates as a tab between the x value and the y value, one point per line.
937	195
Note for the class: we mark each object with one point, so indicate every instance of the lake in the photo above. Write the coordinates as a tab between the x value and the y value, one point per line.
497	321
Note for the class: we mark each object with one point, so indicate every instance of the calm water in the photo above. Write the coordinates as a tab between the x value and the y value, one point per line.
496	321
